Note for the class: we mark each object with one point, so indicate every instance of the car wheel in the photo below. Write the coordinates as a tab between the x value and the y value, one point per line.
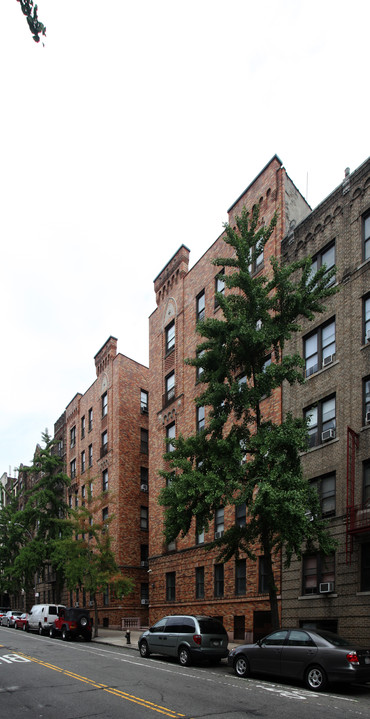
315	678
184	657
65	634
241	666
8	623
40	630
25	628
144	649
52	632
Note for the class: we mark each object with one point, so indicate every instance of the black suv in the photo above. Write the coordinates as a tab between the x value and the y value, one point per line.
72	623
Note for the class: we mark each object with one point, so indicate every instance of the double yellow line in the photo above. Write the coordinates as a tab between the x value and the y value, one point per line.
111	690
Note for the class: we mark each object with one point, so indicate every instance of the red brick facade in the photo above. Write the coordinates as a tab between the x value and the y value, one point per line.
114	405
177	289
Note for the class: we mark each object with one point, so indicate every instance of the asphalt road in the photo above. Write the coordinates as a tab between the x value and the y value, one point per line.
42	678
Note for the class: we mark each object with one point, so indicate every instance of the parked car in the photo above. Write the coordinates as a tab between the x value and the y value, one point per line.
189	638
314	656
72	623
8	619
22	622
3	610
41	617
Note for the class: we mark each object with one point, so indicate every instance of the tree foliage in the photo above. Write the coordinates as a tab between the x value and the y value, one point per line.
31	533
87	557
240	457
30	11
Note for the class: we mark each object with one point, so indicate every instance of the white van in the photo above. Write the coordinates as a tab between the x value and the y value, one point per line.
42	616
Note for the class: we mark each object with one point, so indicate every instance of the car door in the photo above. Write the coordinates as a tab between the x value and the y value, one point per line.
298	651
156	638
265	655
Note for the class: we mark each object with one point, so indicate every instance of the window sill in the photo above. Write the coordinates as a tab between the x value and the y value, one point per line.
320	371
304	597
320	446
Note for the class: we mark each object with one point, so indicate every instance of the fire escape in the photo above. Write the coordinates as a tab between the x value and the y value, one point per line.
358	515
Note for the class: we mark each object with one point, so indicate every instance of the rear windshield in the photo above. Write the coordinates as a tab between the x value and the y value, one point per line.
211	626
333	638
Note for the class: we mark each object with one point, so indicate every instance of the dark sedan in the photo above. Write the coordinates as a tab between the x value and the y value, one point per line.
314	656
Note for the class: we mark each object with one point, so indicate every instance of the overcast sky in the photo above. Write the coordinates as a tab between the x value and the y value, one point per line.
131	132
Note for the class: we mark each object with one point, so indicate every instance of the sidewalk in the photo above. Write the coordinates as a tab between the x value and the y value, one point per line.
117	638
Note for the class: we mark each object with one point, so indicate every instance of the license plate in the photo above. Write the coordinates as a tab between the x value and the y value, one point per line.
367	660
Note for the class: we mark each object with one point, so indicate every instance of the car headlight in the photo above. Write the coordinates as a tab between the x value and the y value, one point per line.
232	652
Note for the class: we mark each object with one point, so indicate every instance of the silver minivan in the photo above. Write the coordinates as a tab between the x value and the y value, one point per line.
187	637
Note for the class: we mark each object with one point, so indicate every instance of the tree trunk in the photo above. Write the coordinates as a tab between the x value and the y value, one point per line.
275	620
95	617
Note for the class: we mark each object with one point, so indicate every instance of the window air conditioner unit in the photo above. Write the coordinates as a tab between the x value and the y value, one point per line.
145	601
144	487
328	360
326	587
144	563
144	410
367	418
218	535
327	434
77	604
91	603
367	335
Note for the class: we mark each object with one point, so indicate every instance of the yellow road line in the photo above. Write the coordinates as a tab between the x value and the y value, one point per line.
104	687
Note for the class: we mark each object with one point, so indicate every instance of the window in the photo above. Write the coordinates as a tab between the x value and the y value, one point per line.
83	491
144	555
219	580
144	440
201	306
241	515
170	337
144	478
104	404
170	387
144	592
366	484
321	422
366	401
263	585
104	444
319	348
144	401
325	487
219	523
106	596
317	569
367	237
70	501
170	586
91	489
366	305
219	285
73	436
326	257
76	500
200	418
104	514
199	582
170	434
105	480
73	468
83	427
90	419
365	567
90	455
199	535
240	576
143	517
83	461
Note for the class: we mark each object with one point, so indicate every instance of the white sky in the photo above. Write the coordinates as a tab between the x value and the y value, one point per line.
131	132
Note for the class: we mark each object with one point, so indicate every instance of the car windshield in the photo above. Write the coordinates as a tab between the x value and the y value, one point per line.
211	626
332	638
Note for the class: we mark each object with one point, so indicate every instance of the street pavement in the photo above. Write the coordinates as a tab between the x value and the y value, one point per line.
117	638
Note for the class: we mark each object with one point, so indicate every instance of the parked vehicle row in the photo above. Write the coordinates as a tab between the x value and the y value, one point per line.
313	656
9	618
52	619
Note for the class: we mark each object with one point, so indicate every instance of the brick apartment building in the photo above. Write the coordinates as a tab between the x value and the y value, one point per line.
335	592
186	577
103	437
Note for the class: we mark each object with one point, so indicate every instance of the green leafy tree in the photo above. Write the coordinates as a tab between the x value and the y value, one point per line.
10	537
87	558
239	457
41	524
30	11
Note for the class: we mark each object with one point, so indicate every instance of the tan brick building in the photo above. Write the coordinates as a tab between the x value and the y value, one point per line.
185	577
335	592
105	443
